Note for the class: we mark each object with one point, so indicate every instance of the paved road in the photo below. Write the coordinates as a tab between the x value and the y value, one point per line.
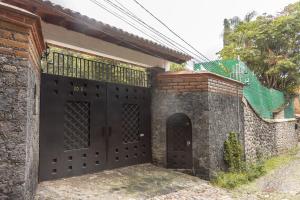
281	184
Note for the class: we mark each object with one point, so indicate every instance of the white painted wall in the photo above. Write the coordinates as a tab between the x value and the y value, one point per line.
61	36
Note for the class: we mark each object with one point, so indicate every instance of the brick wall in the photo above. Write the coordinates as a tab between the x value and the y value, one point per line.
203	81
21	45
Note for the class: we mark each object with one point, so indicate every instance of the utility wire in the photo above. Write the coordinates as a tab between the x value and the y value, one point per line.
200	60
127	12
126	21
132	25
107	33
170	30
204	61
124	39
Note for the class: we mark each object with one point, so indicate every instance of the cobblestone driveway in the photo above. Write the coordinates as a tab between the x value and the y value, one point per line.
131	183
154	183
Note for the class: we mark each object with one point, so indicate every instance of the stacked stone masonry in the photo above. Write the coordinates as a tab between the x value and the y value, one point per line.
215	108
20	51
206	107
264	138
297	128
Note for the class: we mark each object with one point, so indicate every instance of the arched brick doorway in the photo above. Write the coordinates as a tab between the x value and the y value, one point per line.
179	142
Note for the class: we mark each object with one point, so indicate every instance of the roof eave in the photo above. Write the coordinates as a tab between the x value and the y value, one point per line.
74	21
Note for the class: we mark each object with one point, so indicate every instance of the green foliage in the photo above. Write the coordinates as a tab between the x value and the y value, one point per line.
96	58
269	45
174	67
233	152
88	66
278	161
254	171
232	180
239	172
230	24
250	172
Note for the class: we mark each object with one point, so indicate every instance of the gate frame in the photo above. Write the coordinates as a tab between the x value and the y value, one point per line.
137	81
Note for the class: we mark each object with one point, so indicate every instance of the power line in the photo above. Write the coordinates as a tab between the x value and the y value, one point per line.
107	33
170	29
126	21
204	61
201	60
132	25
127	12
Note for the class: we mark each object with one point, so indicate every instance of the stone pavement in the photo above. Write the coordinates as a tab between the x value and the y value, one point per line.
150	182
131	183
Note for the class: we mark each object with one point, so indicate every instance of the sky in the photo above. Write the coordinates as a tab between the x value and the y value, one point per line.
199	22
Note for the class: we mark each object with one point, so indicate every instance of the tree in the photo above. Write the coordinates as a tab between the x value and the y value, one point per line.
231	24
270	46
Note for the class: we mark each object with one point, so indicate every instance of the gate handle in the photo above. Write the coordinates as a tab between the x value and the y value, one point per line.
188	143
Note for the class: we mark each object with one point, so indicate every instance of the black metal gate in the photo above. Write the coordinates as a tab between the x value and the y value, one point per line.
90	125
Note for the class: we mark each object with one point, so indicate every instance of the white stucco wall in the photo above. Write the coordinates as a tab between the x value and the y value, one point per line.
78	41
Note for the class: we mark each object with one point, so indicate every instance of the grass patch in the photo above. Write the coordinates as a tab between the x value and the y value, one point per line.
234	179
275	162
231	180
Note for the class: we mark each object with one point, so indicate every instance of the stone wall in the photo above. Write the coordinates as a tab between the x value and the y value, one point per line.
164	104
20	50
226	115
286	136
18	128
297	127
267	138
213	105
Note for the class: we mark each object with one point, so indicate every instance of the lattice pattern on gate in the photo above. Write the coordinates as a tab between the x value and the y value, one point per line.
76	125
130	123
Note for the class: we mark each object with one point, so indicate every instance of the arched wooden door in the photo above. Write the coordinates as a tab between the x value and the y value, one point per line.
179	142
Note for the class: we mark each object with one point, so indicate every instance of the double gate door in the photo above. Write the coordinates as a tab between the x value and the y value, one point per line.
87	126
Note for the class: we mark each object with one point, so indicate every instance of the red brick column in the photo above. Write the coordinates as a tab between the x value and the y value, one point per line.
21	34
21	46
203	81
